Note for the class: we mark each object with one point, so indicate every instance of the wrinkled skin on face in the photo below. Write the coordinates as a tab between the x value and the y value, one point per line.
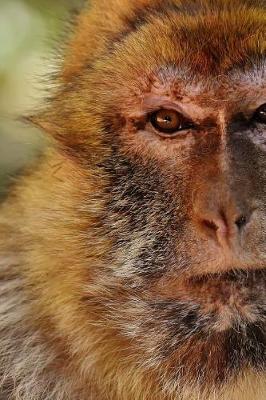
171	230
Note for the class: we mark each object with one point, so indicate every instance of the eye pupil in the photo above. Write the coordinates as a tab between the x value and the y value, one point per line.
166	120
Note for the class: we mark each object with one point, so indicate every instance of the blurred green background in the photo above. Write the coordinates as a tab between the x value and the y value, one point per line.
29	32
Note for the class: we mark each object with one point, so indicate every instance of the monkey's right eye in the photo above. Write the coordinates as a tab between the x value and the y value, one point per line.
169	122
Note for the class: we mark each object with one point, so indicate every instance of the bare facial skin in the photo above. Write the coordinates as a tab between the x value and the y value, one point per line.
133	254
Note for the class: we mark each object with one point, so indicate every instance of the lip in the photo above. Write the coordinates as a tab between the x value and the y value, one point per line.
235	298
235	290
230	287
247	277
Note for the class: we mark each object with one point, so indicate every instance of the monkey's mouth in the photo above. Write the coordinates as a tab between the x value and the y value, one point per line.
217	286
242	277
234	281
237	292
228	301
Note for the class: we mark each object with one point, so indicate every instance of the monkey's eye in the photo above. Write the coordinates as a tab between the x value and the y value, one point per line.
169	122
260	114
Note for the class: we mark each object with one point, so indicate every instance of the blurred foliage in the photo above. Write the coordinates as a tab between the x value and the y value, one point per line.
28	33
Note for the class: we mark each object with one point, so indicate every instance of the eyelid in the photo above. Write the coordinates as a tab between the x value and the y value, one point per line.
151	108
141	115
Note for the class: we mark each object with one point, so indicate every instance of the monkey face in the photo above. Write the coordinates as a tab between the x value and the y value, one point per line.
187	219
173	114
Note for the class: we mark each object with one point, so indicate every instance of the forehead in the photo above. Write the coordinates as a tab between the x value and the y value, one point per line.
211	56
239	93
183	84
238	90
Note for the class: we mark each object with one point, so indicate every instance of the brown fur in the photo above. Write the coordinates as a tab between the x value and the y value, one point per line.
113	283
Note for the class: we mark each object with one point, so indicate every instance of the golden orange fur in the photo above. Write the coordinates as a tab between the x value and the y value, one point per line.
74	306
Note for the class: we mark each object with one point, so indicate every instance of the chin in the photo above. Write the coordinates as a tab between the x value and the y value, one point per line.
202	336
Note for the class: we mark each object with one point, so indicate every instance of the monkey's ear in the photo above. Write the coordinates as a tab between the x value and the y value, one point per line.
71	131
44	121
98	25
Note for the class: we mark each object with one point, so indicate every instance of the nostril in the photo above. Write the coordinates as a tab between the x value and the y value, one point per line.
241	222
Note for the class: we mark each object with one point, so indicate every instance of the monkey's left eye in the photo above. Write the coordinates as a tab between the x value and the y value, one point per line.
169	122
260	114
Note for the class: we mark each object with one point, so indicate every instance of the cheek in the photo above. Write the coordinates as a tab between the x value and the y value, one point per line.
146	144
146	216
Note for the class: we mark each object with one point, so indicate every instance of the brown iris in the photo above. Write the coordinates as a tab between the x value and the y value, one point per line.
260	114
169	121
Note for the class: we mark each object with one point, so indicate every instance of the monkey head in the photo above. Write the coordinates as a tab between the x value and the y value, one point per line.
161	106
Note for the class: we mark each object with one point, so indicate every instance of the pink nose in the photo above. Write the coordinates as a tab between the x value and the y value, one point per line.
222	226
217	215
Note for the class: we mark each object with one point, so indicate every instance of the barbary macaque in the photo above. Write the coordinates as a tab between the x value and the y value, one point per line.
133	251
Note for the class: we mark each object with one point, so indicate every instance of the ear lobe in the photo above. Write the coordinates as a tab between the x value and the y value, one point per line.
44	122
